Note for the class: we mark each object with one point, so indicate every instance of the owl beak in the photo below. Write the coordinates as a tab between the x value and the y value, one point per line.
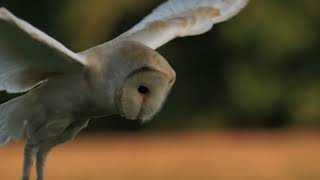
140	122
140	114
172	81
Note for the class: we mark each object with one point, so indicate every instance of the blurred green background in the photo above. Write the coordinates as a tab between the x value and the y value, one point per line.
258	70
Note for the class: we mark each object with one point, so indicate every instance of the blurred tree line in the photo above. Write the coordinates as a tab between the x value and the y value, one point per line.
260	69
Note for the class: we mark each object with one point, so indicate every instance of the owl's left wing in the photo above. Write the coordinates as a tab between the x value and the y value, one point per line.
29	57
180	18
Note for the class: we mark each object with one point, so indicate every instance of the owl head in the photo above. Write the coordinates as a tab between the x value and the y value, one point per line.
147	81
137	78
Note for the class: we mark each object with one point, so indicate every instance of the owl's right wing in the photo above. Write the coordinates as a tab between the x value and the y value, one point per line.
29	57
180	18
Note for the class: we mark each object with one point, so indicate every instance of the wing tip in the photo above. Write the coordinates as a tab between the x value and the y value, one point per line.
239	5
3	10
4	13
244	3
235	8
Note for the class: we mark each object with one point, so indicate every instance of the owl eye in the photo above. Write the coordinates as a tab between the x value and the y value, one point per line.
143	90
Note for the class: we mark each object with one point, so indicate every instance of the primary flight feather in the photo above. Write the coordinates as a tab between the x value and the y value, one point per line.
180	18
65	89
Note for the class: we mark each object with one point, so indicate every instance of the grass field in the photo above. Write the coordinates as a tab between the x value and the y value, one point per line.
184	156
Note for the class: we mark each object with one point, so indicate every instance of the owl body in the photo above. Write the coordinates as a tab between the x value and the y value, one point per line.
48	109
64	99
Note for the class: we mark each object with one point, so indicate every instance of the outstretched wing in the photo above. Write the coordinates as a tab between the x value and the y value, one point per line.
29	56
180	18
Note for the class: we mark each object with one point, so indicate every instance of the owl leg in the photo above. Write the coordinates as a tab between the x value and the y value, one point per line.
42	155
46	147
29	155
75	129
72	131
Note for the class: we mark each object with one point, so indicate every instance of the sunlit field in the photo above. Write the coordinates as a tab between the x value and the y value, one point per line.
185	156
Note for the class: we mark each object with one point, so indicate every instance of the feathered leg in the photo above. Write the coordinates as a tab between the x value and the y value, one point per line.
29	155
42	155
46	147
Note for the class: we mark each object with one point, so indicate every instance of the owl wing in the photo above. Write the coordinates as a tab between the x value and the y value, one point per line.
180	18
29	57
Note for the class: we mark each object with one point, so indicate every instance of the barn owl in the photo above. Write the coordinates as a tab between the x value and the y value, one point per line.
63	89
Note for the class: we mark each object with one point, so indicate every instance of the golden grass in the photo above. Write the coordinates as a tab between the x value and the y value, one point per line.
187	156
